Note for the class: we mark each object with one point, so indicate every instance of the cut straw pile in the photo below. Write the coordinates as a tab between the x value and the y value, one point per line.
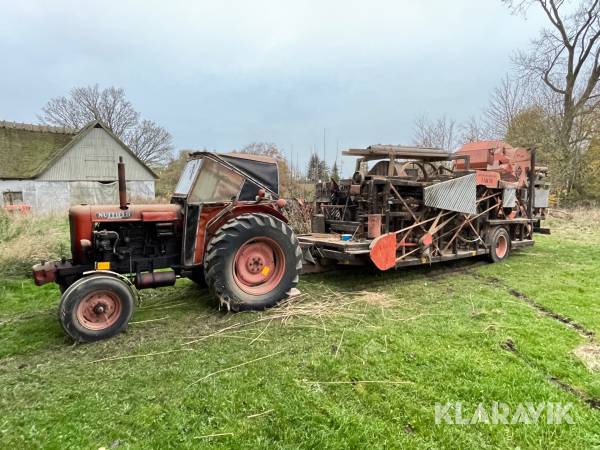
331	304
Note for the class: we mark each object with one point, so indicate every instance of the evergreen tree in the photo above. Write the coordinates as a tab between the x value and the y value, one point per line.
314	168
318	170
323	171
335	173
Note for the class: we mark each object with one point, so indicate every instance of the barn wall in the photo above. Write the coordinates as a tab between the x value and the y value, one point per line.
94	158
43	196
47	196
140	191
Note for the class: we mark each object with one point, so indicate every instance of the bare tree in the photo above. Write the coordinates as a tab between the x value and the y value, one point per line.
473	130
264	148
87	103
565	58
506	101
440	133
150	142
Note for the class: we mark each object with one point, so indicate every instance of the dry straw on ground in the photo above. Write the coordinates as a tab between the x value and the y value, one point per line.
575	221
589	355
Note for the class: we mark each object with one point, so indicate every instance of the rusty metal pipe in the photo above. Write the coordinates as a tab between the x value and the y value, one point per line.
148	280
531	187
122	184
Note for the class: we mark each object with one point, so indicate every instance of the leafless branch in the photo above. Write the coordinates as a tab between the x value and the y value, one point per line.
565	62
440	133
149	141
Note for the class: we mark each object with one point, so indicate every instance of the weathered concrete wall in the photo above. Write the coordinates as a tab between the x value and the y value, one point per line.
43	196
47	196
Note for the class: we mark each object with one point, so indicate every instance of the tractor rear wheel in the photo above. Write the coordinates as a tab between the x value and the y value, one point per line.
499	243
252	262
95	308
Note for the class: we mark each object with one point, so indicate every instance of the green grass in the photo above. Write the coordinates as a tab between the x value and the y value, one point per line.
443	330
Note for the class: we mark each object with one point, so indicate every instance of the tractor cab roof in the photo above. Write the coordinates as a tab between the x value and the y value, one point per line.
258	171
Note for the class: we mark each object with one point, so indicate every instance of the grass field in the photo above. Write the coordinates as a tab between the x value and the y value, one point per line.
359	360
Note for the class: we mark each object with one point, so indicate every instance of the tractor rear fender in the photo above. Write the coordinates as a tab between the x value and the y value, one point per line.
265	208
205	232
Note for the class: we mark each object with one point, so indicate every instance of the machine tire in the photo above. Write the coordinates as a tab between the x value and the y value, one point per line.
95	308
245	249
499	242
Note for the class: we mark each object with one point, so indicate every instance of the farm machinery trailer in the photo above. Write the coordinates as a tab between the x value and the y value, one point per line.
225	228
418	205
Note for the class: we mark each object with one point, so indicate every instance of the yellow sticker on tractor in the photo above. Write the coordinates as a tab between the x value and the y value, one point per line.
265	271
103	265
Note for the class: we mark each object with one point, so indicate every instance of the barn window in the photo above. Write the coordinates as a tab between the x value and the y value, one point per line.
13	197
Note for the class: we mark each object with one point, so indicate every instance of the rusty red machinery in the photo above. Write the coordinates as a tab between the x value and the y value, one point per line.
20	208
13	203
225	227
406	206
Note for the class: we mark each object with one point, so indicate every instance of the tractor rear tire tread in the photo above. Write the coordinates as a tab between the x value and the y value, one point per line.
225	243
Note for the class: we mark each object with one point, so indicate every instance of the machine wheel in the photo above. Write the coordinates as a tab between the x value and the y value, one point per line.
499	242
252	262
95	308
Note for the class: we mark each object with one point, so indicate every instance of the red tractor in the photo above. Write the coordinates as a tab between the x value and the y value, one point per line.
224	228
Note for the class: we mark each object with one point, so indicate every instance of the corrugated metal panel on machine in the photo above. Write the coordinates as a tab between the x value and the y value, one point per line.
457	194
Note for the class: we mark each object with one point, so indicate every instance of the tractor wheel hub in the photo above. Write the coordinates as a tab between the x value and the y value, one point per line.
255	264
259	265
99	310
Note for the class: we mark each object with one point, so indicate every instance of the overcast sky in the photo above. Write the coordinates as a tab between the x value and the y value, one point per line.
222	74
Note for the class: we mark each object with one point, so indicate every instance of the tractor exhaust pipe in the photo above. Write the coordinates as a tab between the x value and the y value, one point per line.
122	185
149	280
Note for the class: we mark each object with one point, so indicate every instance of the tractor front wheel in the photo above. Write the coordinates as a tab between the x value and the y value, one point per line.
252	262
95	308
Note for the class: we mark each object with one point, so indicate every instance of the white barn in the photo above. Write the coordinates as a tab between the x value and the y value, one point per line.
52	168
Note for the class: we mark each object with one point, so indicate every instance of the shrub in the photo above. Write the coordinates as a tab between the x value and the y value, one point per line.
28	239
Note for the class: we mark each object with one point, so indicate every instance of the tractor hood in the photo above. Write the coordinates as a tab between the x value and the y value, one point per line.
83	217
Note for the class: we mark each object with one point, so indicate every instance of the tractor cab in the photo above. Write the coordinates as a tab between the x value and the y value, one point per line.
215	187
222	178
